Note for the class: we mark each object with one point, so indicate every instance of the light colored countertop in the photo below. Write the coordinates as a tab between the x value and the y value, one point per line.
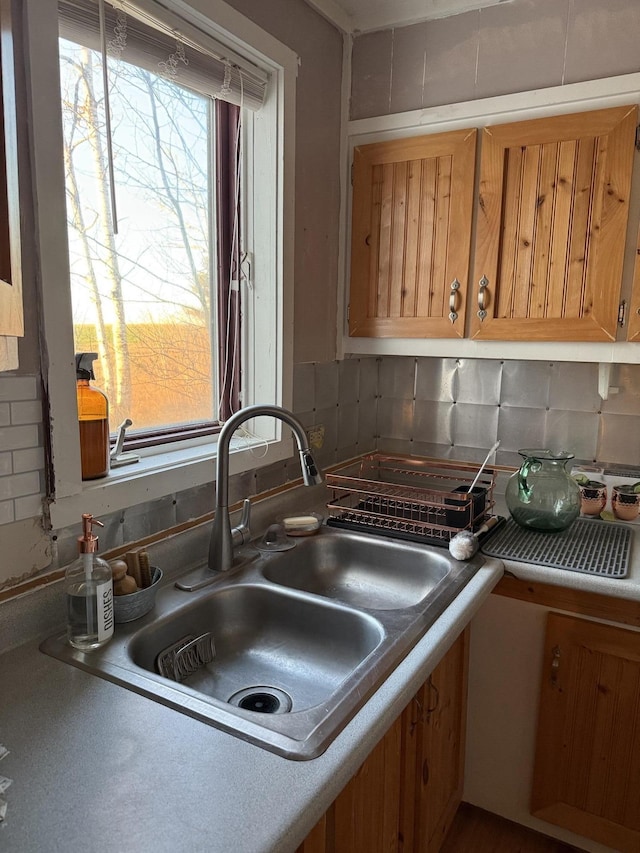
96	767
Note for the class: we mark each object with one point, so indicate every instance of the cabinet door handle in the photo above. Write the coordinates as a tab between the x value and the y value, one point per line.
482	304
453	300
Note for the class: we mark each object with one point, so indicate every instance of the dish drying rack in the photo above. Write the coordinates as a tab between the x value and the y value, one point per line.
409	498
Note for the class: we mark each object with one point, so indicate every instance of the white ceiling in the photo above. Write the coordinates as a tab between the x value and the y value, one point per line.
363	15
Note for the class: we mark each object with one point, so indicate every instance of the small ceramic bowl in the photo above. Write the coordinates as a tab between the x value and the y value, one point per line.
126	608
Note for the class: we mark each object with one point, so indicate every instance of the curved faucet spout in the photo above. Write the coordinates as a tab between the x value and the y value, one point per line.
221	546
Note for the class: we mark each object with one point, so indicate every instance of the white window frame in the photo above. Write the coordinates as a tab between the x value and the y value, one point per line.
269	293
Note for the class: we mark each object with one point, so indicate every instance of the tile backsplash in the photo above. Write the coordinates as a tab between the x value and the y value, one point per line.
457	408
446	407
21	449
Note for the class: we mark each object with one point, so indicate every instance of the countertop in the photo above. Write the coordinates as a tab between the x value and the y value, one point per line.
96	767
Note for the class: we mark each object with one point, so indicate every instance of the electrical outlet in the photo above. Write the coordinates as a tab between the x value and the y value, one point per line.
316	436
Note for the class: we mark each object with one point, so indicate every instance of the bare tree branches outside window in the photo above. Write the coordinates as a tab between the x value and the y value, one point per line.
141	297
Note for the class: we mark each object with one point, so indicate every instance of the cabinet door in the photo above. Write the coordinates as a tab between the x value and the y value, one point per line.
405	795
11	312
587	767
410	239
633	332
551	227
364	817
440	766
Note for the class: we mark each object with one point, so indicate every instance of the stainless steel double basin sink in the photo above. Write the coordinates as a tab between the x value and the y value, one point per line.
302	637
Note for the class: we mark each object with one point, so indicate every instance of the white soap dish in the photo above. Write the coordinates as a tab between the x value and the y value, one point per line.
305	524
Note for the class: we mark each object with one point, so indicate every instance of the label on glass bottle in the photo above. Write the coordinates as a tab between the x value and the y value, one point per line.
104	593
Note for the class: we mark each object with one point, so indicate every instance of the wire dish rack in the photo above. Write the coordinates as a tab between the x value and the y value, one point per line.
420	499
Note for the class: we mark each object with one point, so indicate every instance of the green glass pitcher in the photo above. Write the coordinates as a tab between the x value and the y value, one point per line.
542	495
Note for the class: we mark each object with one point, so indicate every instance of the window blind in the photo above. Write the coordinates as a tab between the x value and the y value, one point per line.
212	69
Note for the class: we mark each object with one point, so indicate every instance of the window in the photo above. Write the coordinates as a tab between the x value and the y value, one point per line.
223	40
154	222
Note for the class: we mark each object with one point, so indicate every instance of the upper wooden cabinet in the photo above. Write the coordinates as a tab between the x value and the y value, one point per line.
551	225
411	233
550	219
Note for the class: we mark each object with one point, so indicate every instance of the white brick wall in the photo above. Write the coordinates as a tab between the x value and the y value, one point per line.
21	451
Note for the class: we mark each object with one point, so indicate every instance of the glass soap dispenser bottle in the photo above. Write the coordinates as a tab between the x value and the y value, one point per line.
89	591
93	420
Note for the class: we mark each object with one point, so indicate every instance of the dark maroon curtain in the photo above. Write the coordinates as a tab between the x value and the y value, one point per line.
227	120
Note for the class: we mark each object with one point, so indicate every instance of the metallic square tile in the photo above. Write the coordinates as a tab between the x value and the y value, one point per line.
435	378
433	422
520	427
436	451
624	390
304	385
326	384
349	380
619	439
367	423
368	380
395	418
396	377
574	431
574	386
396	445
526	384
347	425
478	380
475	425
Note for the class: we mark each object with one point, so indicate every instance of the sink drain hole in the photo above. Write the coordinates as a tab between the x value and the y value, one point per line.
262	700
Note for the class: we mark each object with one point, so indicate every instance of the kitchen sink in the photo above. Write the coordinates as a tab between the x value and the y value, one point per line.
302	637
361	570
296	651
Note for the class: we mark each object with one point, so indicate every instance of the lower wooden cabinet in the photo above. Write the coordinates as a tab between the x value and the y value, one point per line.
405	795
587	768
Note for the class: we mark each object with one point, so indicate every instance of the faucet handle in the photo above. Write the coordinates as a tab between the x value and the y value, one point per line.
242	533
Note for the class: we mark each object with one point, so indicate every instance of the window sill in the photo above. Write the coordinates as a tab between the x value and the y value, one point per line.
161	473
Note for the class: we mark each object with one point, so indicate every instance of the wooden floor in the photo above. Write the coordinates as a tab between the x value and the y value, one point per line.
477	831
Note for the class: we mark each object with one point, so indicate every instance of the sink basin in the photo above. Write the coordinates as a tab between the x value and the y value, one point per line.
371	572
271	651
302	637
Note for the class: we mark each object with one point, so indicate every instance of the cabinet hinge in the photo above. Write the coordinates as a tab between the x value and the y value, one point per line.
348	313
353	164
622	313
638	138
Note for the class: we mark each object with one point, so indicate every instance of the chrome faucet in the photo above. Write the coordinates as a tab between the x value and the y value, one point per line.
222	537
